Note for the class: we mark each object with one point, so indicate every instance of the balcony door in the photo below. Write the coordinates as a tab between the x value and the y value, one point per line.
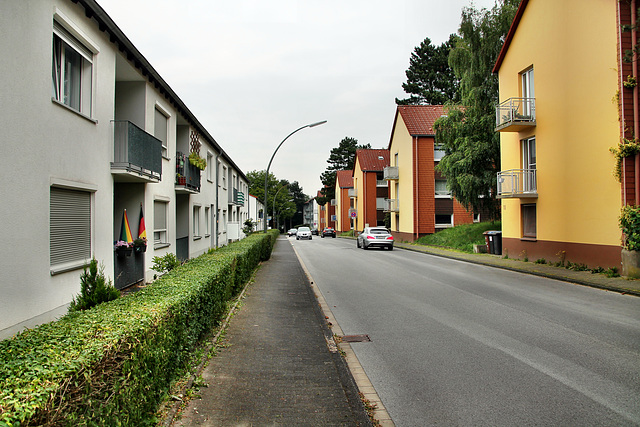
528	93
528	147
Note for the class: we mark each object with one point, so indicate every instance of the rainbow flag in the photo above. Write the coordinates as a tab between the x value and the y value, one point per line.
125	230
142	231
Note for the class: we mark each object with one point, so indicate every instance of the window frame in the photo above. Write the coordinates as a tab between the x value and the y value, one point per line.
527	221
196	222
443	224
441	195
160	242
438	149
158	110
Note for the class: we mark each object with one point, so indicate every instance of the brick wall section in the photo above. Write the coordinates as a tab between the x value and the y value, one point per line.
461	215
424	202
370	213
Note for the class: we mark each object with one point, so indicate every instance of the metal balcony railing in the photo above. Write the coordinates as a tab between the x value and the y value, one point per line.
135	152
352	192
391	205
515	114
333	202
236	197
381	183
517	183
187	175
390	172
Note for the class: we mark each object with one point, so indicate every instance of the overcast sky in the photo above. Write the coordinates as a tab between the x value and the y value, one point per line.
252	71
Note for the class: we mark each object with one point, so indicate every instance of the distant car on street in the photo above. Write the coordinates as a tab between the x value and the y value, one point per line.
375	236
303	233
314	231
292	232
328	231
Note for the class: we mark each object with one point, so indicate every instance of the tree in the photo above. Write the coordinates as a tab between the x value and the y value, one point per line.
342	157
472	147
430	79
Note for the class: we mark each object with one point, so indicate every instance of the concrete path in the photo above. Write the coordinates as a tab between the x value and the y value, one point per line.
282	366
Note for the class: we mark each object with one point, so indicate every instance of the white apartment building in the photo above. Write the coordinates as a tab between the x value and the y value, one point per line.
89	129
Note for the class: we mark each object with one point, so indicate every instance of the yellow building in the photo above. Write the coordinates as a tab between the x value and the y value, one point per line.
559	74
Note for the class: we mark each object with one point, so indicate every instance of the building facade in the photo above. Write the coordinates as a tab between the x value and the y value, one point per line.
371	190
560	199
344	203
108	136
419	201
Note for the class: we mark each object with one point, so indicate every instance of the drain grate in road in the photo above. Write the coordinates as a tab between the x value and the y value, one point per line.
356	338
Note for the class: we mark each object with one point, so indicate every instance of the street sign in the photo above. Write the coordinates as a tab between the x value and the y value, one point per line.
353	214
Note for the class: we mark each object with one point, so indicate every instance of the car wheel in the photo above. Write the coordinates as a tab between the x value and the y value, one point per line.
334	236
310	237
322	236
391	247
364	246
358	242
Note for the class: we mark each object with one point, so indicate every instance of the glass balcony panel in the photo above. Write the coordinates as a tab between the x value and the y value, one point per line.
390	172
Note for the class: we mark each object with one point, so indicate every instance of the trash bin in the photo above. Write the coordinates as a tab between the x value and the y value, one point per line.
495	238
487	240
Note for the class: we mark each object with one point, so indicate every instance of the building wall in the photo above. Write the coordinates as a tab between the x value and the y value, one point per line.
424	176
402	145
577	121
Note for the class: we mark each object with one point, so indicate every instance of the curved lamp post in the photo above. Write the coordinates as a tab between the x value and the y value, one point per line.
266	176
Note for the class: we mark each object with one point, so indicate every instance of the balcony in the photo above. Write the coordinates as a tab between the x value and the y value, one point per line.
352	192
517	183
187	175
137	155
516	114
381	183
236	197
333	202
391	205
390	173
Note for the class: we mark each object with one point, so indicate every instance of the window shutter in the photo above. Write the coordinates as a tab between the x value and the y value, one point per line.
70	226
159	216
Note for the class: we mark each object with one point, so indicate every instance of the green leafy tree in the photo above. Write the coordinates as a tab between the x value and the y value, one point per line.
430	79
342	157
471	145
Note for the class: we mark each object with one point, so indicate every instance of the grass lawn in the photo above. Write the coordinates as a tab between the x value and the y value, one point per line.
461	237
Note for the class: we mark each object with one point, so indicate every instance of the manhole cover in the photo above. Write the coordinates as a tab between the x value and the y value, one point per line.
356	338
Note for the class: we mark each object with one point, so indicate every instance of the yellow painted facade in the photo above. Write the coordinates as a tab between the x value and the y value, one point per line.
401	155
358	180
572	49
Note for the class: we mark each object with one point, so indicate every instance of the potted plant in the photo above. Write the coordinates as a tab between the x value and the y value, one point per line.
140	245
123	248
630	226
181	180
197	161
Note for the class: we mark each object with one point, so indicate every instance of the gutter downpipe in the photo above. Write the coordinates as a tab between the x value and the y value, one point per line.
417	189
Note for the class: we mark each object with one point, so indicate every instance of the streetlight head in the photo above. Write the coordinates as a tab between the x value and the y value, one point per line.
317	124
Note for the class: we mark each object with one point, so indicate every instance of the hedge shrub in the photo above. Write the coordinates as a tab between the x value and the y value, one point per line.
113	364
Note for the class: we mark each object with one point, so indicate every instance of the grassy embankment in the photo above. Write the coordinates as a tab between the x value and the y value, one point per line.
461	237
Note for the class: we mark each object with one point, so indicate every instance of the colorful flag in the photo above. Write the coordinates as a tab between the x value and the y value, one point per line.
125	230
142	231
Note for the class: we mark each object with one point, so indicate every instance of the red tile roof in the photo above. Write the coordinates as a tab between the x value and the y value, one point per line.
344	179
419	119
373	160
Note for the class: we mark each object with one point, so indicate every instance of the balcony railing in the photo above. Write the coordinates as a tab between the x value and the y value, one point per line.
352	192
517	183
516	114
187	175
236	197
391	205
380	203
381	183
137	155
390	172
333	202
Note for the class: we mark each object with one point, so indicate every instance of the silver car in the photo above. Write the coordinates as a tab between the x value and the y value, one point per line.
303	233
375	236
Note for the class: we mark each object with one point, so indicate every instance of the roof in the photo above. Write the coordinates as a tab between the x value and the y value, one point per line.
94	11
419	119
344	179
373	160
510	34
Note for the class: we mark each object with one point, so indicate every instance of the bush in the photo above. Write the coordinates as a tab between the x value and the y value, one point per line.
630	225
94	288
165	263
113	364
460	237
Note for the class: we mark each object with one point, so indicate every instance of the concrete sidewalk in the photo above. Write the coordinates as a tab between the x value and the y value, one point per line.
586	278
282	366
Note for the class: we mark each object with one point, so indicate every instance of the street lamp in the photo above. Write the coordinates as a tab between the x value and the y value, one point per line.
266	176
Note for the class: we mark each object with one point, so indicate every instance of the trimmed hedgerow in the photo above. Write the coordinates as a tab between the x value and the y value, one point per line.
114	363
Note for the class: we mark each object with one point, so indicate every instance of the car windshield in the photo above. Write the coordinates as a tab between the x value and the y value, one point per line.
304	229
379	231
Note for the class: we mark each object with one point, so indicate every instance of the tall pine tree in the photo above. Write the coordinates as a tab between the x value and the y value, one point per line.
342	157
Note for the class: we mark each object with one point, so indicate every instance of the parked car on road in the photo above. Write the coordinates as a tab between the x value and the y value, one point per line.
292	232
375	236
328	231
314	231
303	233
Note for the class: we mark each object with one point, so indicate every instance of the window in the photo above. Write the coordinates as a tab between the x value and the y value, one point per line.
210	167
224	177
476	217
441	188
528	148
160	130
528	220
438	152
527	90
160	222
207	222
71	71
69	221
444	220
196	221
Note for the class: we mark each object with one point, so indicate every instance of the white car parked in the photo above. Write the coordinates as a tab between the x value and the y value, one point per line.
303	233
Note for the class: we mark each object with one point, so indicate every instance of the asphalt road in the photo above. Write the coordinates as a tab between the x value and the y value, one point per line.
454	343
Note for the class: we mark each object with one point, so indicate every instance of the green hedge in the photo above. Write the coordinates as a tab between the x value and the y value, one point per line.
113	364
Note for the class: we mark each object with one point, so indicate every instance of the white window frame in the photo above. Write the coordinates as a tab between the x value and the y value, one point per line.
527	90
196	221
158	110
529	162
438	152
160	231
443	225
207	221
65	48
224	177
210	166
441	194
